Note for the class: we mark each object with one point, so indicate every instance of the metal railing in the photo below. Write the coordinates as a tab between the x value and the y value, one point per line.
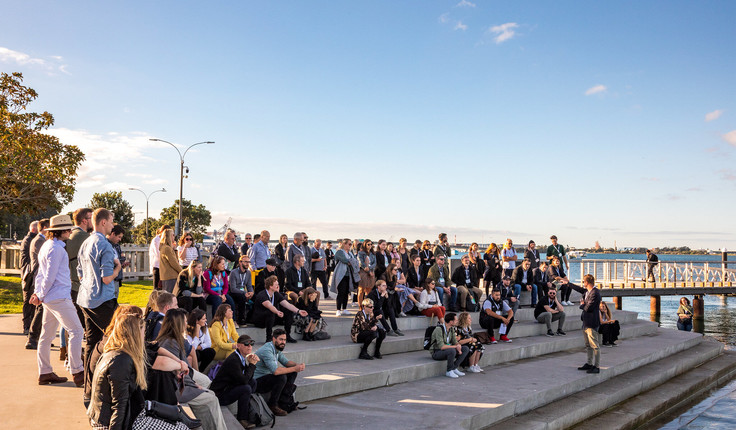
629	271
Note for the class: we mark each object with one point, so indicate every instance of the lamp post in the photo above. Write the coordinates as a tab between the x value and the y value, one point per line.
147	196
181	175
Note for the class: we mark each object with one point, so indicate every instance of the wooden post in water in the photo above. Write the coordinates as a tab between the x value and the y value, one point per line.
617	302
698	308
654	307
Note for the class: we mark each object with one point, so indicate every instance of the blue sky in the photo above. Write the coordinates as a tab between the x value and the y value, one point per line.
592	121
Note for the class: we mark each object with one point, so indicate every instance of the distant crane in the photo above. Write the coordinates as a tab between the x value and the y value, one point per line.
219	234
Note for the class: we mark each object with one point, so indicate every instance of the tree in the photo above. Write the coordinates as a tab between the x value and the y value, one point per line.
139	232
114	201
37	171
196	219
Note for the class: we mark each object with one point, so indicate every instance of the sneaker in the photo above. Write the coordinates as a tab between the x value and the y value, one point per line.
550	333
346	312
451	374
398	332
378	355
458	372
479	369
613	344
246	424
594	369
505	339
585	366
365	356
402	314
473	369
493	340
561	333
610	345
392	333
290	339
338	313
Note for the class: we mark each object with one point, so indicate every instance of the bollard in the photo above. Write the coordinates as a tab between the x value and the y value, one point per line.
654	307
698	309
617	302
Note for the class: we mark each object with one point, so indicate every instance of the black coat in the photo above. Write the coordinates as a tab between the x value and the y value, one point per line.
411	277
261	280
591	315
540	277
381	265
292	279
117	400
230	254
517	276
232	374
533	256
458	276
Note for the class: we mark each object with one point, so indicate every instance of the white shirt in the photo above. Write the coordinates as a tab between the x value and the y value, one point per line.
154	254
202	340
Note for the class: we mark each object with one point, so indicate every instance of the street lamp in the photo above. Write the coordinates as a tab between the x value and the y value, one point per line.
181	175
147	197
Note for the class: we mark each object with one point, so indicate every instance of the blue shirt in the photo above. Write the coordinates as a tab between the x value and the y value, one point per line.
53	280
258	254
270	359
96	260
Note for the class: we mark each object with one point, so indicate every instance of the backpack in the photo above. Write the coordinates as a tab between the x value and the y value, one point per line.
152	321
484	319
286	399
428	337
471	305
258	412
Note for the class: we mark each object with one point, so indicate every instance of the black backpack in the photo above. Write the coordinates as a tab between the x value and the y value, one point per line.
471	305
152	320
484	319
259	413
286	399
428	337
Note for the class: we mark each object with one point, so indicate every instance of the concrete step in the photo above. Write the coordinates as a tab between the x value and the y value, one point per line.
675	395
340	347
508	389
352	375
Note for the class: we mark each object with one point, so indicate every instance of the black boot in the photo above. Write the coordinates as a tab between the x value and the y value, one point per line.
306	336
191	423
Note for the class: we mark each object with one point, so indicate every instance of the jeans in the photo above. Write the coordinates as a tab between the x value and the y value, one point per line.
685	325
451	355
274	384
517	292
548	318
453	296
240	394
216	301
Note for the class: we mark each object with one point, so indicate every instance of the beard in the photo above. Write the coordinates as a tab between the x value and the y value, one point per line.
279	346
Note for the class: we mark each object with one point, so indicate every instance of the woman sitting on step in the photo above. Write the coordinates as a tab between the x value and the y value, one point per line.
222	332
609	328
313	322
429	302
198	337
685	315
465	337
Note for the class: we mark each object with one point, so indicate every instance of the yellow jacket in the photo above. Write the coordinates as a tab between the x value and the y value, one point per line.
223	341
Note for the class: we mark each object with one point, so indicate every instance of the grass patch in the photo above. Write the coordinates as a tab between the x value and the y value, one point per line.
11	294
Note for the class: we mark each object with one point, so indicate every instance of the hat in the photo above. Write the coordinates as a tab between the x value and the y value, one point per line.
60	223
271	262
506	278
553	237
531	241
246	340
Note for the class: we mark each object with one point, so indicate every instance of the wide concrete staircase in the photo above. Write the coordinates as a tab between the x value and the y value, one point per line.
532	382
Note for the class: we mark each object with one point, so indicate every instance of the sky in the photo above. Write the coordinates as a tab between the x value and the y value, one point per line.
595	121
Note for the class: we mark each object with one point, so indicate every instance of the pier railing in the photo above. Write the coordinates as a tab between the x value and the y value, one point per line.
633	273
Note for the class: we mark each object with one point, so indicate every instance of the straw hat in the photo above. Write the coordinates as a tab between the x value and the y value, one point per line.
60	223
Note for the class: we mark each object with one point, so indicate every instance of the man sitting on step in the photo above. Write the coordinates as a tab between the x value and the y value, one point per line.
508	293
548	310
269	376
444	346
497	314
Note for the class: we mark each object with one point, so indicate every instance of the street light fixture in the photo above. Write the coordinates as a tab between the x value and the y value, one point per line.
147	196
181	175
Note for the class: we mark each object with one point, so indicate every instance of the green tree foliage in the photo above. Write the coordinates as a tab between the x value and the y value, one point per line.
114	201
139	232
37	171
196	219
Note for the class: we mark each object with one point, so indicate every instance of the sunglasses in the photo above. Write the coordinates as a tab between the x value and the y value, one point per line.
189	239
369	307
251	343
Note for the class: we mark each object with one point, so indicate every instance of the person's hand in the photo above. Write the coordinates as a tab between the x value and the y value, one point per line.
513	299
473	340
459	348
252	358
34	300
280	314
374	328
582	301
528	287
184	367
249	295
222	296
303	313
379	316
300	367
447	290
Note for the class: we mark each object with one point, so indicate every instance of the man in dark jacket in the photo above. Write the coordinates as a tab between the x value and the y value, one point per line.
25	269
297	279
234	381
591	316
532	254
465	278
35	328
523	278
652	261
229	250
541	279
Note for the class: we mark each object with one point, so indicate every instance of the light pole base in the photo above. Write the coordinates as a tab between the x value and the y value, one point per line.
177	228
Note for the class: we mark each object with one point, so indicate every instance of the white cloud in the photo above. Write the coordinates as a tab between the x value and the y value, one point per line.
465	3
596	90
23	59
730	137
711	116
444	18
460	26
503	32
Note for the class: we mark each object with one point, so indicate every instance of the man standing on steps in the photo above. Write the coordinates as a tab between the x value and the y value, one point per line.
25	272
591	317
558	251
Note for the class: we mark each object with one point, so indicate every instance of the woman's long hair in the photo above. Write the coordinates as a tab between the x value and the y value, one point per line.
127	336
463	320
173	327
194	316
190	272
151	306
606	311
166	240
123	309
305	295
491	248
183	239
214	263
220	314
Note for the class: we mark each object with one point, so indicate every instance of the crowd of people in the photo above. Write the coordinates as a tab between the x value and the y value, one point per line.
137	365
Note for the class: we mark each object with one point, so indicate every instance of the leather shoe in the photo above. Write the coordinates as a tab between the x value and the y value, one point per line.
290	339
31	344
246	424
365	356
51	378
278	411
194	423
78	378
377	355
585	366
594	369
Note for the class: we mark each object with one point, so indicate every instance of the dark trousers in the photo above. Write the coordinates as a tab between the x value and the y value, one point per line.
28	309
389	310
80	314
240	394
565	291
205	357
275	385
95	322
268	320
450	354
189	303
322	276
610	332
496	323
36	323
281	275
216	301
239	308
343	291
156	279
542	290
650	272
367	336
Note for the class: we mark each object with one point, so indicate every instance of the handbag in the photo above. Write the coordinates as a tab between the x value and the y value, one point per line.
367	280
148	422
483	337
